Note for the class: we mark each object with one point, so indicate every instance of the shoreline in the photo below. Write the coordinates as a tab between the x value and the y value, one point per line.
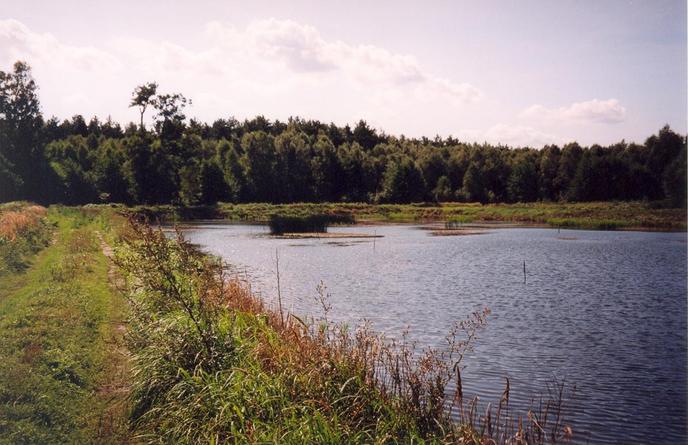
422	225
628	216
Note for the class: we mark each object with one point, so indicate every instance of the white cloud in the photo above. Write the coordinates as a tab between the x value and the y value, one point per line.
273	67
279	68
520	136
608	111
302	49
18	42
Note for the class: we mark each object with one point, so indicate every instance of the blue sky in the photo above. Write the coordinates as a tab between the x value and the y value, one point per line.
515	72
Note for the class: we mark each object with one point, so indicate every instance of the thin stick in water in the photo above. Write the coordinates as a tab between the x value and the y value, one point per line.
279	291
524	271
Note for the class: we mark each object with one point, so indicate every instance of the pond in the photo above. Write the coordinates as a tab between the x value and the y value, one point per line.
603	311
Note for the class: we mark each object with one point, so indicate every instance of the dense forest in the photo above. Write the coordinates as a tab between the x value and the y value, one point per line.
187	162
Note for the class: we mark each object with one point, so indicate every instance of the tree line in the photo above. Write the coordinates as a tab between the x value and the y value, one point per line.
187	162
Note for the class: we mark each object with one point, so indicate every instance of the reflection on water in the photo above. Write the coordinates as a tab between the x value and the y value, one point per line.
606	311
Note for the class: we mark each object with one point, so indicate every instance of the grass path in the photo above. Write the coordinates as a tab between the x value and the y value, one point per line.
115	385
62	360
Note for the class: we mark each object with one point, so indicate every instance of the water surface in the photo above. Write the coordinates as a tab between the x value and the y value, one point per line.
604	311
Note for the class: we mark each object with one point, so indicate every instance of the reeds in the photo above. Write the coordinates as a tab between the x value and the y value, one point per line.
213	363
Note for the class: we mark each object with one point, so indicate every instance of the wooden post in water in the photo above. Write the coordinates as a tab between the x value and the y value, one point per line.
524	271
279	292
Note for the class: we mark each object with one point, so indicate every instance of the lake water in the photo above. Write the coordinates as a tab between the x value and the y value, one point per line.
604	311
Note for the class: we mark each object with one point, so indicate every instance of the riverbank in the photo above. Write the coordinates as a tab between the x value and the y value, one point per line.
213	363
594	215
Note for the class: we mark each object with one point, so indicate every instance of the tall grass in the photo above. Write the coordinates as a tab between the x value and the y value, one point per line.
213	364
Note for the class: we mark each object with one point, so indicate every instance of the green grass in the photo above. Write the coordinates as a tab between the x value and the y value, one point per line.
55	320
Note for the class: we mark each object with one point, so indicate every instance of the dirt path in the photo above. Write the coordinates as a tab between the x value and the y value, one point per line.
113	427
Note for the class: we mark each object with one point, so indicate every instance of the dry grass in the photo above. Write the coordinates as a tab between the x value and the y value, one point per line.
13	223
24	230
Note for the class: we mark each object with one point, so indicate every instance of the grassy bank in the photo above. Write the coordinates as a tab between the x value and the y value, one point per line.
57	323
213	364
594	215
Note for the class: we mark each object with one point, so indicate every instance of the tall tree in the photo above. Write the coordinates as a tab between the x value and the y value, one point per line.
403	182
293	167
522	185
142	97
259	165
169	119
21	123
232	170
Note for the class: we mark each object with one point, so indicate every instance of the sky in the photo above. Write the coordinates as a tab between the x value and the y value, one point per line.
521	73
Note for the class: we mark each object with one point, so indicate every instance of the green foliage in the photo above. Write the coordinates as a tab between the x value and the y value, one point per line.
522	185
21	126
442	191
403	183
112	179
259	162
674	180
143	96
473	186
232	170
10	182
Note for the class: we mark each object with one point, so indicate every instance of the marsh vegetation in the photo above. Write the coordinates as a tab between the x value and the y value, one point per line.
214	363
